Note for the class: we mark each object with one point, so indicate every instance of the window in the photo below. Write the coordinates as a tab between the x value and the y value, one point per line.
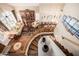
2	37
4	21
76	26
68	19
8	19
72	24
64	17
73	21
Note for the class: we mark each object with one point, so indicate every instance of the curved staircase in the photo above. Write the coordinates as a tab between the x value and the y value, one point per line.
33	48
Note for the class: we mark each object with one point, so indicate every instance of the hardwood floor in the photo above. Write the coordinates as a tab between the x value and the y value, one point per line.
25	39
1	48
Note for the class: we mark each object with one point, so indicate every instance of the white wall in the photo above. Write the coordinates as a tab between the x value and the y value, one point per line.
72	10
5	6
50	9
35	8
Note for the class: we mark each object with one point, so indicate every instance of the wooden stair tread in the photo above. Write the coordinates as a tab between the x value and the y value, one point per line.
35	43
35	47
32	52
31	48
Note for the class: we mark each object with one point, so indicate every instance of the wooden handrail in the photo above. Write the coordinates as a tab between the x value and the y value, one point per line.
63	49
